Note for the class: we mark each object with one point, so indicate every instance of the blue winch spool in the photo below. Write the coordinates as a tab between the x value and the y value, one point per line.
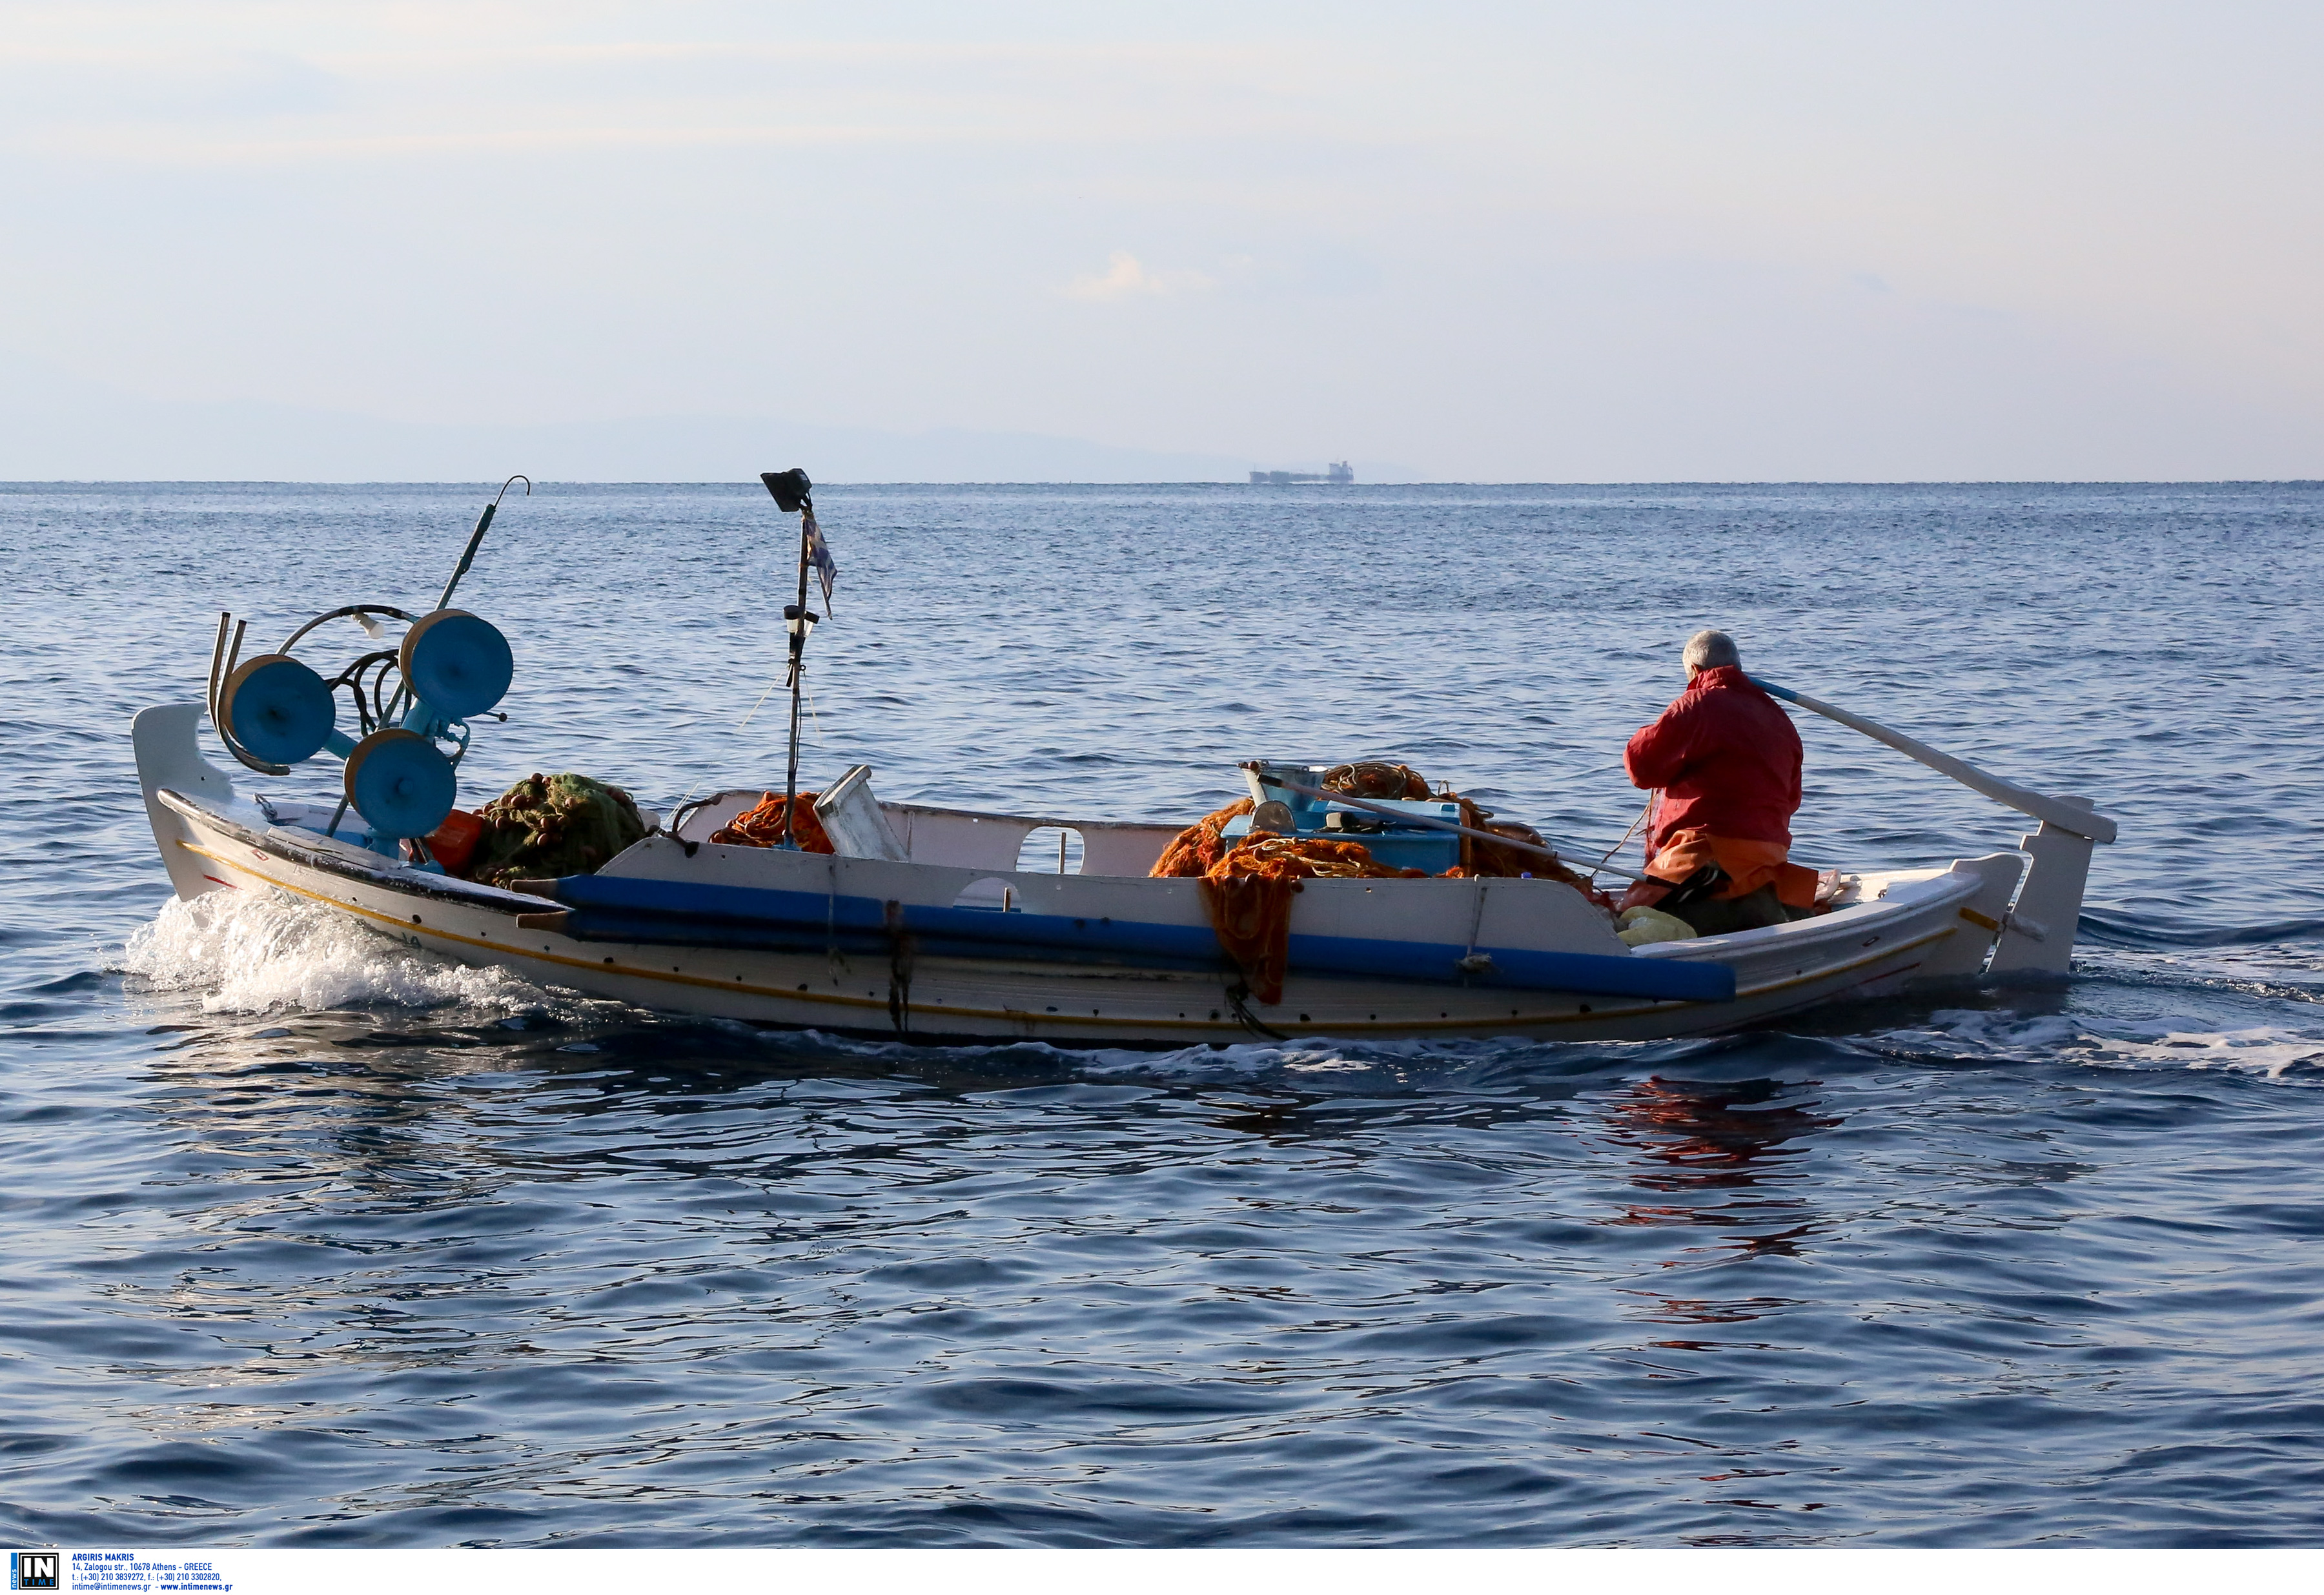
400	783
457	663
278	709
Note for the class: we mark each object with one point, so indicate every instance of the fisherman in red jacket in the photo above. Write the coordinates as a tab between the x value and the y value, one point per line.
1724	762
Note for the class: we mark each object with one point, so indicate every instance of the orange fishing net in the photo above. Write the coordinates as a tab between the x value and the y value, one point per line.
763	825
1247	886
1287	858
1480	857
1251	917
1199	845
1248	893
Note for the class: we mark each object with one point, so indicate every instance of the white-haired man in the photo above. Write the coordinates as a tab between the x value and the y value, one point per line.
1724	762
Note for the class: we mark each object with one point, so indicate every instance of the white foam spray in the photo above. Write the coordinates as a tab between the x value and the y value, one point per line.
249	952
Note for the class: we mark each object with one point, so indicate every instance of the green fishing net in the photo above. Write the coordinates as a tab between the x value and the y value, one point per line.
548	826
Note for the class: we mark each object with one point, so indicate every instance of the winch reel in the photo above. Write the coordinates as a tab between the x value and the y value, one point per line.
457	663
275	710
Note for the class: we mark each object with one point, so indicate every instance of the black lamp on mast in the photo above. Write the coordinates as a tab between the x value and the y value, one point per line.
794	494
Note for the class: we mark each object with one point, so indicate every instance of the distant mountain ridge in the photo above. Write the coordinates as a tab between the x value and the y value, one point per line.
56	430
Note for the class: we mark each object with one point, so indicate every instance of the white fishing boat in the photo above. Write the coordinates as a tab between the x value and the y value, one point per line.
921	923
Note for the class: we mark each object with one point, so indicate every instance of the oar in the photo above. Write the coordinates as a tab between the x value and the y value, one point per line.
2054	811
1415	819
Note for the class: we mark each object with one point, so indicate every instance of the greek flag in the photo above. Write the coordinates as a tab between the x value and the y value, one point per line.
818	553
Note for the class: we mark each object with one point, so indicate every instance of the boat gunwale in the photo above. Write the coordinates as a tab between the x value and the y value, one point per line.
283	841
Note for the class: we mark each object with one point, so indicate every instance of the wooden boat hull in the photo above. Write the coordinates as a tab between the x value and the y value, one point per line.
1912	925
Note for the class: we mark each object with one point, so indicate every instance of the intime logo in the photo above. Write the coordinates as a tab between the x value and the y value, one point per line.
33	1570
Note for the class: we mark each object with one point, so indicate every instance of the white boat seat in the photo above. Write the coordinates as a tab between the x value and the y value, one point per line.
851	818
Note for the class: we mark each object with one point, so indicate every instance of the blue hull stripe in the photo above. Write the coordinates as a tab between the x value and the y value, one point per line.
615	909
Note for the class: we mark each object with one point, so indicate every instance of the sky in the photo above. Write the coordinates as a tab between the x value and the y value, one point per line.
1545	242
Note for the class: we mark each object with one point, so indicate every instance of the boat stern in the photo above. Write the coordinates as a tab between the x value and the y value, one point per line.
2037	938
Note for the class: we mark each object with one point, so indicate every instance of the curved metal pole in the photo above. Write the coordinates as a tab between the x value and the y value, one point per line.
468	558
477	538
356	610
217	722
217	658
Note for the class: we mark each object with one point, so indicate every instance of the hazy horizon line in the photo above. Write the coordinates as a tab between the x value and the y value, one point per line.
741	485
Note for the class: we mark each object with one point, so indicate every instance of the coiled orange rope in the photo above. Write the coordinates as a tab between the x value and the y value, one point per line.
1379	781
762	826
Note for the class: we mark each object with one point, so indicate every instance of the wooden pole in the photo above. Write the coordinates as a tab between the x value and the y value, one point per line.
2054	811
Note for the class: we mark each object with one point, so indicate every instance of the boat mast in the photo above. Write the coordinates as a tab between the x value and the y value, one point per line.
793	491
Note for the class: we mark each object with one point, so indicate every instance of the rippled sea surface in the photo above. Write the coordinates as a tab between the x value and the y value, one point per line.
308	1240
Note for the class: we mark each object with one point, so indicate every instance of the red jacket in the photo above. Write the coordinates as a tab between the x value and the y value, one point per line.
1726	758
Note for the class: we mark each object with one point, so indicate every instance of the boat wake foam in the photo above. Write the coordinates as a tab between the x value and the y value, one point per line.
249	952
1973	1035
1328	1066
2101	928
2284	969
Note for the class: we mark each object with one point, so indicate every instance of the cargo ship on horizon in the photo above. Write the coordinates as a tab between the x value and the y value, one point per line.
1341	474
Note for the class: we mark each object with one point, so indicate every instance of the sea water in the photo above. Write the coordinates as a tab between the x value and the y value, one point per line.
308	1238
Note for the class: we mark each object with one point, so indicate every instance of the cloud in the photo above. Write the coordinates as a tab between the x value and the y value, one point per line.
1125	278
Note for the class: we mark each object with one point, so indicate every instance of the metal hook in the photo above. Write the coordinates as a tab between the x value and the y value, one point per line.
502	494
